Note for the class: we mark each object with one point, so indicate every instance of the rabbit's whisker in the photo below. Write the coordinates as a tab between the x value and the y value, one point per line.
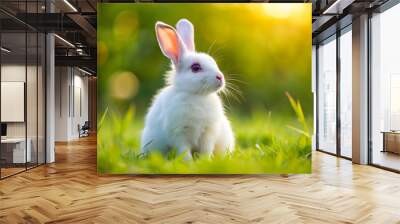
224	93
231	90
216	50
233	87
211	46
233	74
235	80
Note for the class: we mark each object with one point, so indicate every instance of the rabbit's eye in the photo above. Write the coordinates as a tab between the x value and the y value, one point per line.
195	67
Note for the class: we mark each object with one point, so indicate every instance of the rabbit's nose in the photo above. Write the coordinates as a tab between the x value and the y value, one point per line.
219	77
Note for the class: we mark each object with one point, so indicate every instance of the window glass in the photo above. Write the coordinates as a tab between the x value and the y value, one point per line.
15	150
346	94
327	96
385	88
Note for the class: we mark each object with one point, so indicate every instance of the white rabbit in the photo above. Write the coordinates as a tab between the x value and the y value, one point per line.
187	114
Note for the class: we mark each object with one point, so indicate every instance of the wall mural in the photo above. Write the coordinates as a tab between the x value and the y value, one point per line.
204	88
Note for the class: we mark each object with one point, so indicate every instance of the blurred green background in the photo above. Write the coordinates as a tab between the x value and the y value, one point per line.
266	47
264	50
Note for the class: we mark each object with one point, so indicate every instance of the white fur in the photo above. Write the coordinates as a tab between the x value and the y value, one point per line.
188	114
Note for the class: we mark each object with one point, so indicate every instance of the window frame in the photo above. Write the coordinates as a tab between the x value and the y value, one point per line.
347	27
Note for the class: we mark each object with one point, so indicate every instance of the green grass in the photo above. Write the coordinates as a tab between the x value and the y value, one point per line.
265	143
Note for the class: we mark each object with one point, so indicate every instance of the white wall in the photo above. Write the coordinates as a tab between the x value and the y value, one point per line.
80	100
13	72
71	94
62	81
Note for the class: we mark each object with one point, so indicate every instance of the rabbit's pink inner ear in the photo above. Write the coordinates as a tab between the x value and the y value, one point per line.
169	42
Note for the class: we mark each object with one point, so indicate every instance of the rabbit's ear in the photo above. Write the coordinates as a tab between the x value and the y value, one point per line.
170	43
186	31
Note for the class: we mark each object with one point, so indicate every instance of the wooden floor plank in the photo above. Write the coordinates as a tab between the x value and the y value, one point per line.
70	191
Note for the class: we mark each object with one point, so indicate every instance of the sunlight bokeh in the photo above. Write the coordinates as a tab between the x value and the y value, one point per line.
124	85
284	11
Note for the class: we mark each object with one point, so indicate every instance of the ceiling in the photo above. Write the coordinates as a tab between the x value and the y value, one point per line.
75	21
331	15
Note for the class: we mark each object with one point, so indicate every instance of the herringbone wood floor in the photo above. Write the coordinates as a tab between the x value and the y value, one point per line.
70	191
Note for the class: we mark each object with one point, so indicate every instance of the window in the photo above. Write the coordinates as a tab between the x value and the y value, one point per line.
22	77
327	96
385	89
346	93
